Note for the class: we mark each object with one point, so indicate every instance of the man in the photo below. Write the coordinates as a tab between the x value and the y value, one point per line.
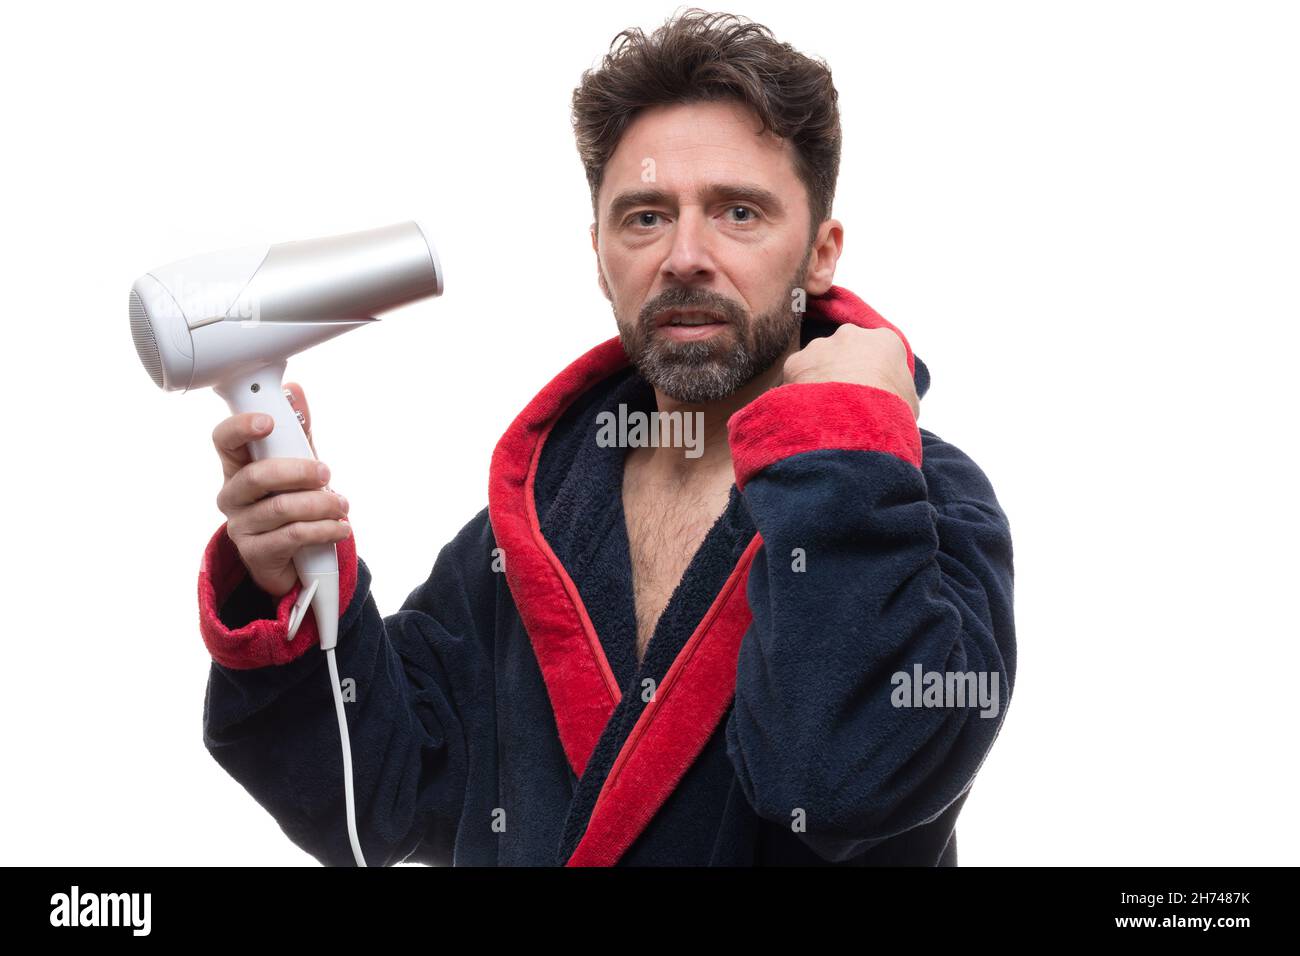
641	653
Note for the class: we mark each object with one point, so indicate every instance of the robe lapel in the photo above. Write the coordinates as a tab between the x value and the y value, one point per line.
674	726
695	692
579	680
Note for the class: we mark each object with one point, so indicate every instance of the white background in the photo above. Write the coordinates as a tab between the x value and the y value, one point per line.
1084	217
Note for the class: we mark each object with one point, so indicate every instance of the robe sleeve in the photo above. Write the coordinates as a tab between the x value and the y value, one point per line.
420	689
884	553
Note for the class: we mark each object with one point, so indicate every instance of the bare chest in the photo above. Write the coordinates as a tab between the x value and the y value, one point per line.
665	529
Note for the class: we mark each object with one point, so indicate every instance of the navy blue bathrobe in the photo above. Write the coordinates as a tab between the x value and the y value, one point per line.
501	717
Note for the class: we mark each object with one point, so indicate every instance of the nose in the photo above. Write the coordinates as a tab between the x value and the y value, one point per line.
690	257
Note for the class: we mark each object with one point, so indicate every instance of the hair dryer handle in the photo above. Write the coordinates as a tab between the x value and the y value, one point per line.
262	390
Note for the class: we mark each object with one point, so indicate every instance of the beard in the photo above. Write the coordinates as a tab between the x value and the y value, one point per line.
712	368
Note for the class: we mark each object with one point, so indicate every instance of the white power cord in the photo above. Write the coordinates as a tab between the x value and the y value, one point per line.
321	594
347	758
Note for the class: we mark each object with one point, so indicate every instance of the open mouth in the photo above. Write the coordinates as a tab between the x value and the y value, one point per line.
688	318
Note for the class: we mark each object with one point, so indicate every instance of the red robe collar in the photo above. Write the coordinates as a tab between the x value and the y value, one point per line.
696	691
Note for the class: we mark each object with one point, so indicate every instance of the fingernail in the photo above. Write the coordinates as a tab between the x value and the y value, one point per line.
343	503
322	471
261	422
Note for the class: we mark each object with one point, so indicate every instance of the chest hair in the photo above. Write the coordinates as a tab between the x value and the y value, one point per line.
665	526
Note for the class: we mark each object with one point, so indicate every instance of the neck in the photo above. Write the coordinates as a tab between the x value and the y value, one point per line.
671	464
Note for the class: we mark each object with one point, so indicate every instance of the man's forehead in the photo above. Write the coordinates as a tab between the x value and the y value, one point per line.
688	150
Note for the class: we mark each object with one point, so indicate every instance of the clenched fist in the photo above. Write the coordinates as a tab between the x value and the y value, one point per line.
856	355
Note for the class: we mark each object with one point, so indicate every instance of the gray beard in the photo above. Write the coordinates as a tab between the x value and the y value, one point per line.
714	368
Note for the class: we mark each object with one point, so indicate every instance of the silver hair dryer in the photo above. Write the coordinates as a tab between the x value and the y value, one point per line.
231	319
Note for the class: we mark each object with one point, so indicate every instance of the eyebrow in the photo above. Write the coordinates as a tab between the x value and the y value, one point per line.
745	192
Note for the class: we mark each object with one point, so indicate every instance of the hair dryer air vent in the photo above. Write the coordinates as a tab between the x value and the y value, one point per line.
145	346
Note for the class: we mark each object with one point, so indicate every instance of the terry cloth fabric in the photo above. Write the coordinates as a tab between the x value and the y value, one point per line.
502	718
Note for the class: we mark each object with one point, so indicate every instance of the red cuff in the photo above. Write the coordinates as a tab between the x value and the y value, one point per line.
262	642
807	416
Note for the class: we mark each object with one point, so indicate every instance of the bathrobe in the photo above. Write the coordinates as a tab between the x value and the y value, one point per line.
799	703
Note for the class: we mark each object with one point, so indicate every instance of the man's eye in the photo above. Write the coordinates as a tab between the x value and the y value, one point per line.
647	218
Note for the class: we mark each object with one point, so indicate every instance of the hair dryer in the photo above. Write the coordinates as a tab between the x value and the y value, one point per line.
231	319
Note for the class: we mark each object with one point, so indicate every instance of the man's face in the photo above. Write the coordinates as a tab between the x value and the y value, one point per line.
696	211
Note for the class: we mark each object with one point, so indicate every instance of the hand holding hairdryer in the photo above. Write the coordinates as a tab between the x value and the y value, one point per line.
275	506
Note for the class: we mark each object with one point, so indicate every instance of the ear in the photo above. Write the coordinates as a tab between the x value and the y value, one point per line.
825	253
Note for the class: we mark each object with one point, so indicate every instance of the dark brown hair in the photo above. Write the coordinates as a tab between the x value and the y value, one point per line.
702	56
